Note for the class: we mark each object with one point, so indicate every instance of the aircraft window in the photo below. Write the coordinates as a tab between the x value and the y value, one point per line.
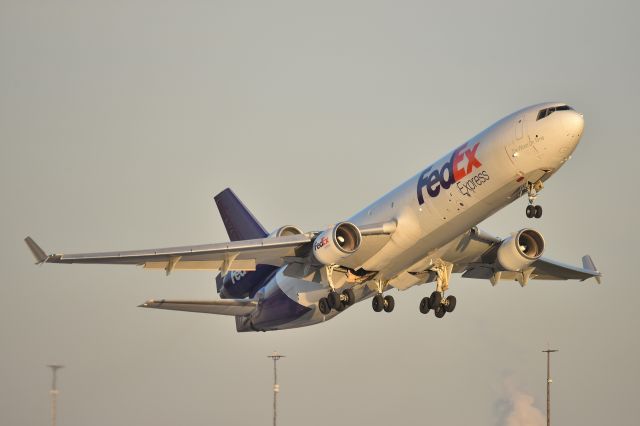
547	111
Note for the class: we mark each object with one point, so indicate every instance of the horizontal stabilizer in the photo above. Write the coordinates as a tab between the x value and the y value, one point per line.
37	251
232	307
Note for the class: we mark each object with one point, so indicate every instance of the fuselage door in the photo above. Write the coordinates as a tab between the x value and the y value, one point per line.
518	143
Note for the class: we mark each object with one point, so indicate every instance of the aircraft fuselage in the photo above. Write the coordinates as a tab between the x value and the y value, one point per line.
433	209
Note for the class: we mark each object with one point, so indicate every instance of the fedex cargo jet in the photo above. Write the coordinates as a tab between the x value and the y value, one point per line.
421	232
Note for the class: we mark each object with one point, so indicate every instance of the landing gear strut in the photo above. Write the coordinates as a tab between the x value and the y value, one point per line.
437	301
532	192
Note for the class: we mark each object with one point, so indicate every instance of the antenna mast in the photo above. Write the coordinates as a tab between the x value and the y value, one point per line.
54	392
549	381
276	388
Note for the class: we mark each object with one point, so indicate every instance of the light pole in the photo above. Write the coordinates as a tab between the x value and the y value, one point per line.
276	388
549	381
54	392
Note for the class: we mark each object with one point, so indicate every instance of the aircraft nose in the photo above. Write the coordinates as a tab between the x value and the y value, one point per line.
573	123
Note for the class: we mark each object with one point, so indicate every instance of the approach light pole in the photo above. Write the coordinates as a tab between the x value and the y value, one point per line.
276	388
549	381
54	393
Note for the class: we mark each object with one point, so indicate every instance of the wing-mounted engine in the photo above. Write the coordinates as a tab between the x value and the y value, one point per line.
336	243
518	251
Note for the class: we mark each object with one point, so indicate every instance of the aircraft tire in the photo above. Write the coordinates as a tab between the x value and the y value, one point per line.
341	307
389	304
425	305
350	296
440	311
323	305
538	212
435	299
377	303
531	211
334	300
450	304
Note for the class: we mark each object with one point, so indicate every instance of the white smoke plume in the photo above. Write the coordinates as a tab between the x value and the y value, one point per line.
516	407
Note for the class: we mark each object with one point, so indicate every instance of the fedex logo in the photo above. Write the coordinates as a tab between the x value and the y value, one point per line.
324	241
462	162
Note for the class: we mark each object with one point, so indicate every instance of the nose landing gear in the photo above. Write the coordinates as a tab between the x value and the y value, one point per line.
532	192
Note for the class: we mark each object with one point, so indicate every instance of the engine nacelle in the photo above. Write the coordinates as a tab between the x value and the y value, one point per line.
520	250
285	231
336	243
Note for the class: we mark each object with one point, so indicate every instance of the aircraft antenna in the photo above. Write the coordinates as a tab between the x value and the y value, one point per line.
276	387
549	381
54	392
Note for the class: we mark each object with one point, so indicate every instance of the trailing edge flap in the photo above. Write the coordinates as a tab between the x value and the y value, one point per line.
233	307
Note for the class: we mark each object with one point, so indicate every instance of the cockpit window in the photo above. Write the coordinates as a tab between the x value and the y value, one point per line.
548	111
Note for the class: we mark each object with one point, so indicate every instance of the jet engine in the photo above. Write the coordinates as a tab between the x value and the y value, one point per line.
520	250
285	231
336	243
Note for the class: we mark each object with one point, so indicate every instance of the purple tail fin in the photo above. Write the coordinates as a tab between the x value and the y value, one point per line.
240	223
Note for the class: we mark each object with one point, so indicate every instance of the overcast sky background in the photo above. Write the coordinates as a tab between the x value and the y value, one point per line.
120	120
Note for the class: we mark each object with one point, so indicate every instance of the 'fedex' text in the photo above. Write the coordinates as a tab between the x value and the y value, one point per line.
451	172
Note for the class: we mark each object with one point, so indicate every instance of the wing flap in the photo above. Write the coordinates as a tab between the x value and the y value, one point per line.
232	307
204	265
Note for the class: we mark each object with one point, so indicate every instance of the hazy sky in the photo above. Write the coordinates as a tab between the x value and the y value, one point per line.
119	121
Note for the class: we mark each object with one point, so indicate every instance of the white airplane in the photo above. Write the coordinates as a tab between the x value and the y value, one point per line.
421	232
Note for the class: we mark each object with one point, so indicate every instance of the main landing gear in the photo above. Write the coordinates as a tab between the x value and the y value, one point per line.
532	192
382	303
437	301
439	306
335	300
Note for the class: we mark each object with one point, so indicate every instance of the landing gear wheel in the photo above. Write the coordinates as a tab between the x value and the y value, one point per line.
389	303
538	212
425	305
334	300
349	298
450	303
531	210
324	307
341	307
440	311
435	300
377	303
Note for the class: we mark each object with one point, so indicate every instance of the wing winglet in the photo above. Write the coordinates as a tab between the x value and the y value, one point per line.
587	263
36	250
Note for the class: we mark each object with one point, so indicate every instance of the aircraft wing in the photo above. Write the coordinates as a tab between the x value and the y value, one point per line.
234	307
236	255
483	266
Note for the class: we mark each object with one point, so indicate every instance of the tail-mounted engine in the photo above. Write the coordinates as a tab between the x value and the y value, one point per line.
520	250
285	231
336	243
